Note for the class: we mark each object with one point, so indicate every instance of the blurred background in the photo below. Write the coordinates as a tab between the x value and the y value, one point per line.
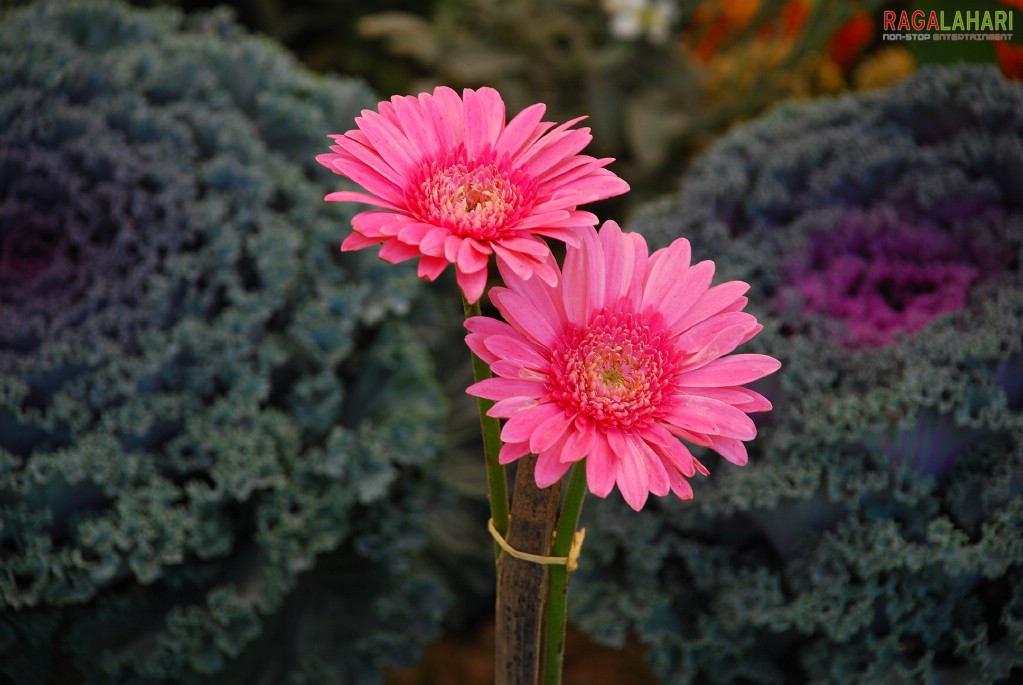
658	79
231	454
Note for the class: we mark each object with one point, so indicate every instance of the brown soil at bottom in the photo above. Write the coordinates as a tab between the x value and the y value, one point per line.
468	659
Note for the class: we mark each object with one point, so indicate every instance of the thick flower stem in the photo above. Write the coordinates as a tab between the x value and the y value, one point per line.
521	584
497	482
557	581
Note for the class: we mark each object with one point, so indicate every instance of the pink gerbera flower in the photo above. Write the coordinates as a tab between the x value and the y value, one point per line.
616	362
456	184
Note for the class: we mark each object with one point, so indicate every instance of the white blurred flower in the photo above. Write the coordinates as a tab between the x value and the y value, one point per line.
630	19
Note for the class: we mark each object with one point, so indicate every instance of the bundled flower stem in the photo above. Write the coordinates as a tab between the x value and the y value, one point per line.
521	605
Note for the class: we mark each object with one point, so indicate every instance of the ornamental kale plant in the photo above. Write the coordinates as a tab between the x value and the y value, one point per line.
216	431
874	536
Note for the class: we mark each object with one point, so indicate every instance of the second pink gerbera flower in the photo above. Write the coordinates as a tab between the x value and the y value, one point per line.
615	363
455	184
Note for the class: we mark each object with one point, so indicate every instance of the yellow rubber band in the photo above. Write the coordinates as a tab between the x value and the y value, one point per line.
571	562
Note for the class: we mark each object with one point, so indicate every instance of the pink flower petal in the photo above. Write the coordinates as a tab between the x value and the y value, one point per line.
732	450
584	177
734	370
518	311
416	125
600	468
657	475
388	157
433	243
674	294
583	279
711	302
478	344
621	260
503	388
548	273
446	108
472	284
510	451
386	190
470	257
549	431
680	486
507	368
555	146
598	184
517	349
522	130
452	244
413	233
688	412
722	339
362	198
757	402
520	427
641	259
580	440
381	223
631	473
703	334
509	407
431	267
672	450
357	241
568	234
394	251
525	245
520	265
484	119
711	417
701	439
700	468
487	326
549	469
664	271
733	396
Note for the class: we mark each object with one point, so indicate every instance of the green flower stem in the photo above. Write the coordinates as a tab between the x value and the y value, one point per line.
557	582
497	481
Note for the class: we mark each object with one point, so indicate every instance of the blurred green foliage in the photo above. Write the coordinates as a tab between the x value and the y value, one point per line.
659	80
218	434
653	98
323	34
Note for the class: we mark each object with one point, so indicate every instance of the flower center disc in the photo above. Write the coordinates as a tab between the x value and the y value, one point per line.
617	371
473	198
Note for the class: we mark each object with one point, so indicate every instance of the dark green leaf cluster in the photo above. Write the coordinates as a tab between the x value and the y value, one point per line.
217	433
876	536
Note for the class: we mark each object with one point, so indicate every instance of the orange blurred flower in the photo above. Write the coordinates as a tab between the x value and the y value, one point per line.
850	39
793	17
1010	59
713	23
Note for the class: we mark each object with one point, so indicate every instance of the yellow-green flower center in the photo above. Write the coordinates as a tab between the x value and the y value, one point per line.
472	197
618	370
